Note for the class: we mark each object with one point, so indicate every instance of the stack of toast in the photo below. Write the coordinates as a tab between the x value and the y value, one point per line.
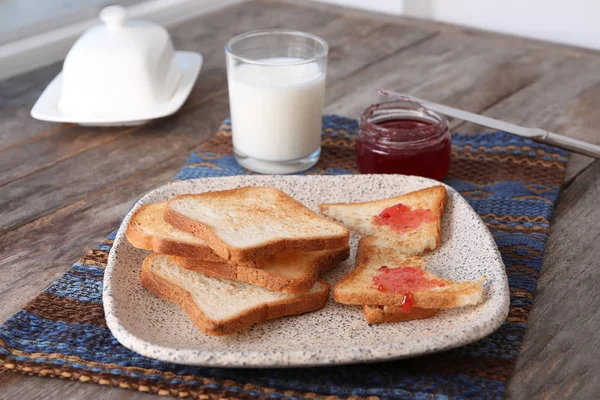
237	257
391	281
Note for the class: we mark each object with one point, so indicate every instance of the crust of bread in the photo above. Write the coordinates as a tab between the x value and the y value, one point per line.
458	297
266	249
268	279
357	286
159	245
165	246
438	190
380	314
409	240
175	294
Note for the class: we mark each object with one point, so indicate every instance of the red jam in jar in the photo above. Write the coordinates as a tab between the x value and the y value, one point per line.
401	137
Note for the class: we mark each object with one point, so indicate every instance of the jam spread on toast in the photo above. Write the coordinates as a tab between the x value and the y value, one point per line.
405	280
407	303
402	218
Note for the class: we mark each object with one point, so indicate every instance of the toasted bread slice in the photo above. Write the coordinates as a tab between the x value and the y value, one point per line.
288	272
147	230
425	289
379	314
417	232
220	306
252	223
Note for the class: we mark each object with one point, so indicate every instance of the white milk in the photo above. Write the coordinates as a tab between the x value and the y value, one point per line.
276	111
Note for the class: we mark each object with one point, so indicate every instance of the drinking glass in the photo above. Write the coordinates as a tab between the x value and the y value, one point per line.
276	84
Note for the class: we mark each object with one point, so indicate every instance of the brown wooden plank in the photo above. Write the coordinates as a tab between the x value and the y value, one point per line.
25	89
27	270
444	28
64	141
17	96
560	352
33	151
563	101
352	55
17	386
52	143
465	71
207	34
23	201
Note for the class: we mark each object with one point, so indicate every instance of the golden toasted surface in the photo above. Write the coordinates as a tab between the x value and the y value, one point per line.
288	272
254	222
380	314
361	217
358	286
219	306
147	230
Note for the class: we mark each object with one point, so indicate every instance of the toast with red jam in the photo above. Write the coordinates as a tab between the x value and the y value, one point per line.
386	277
411	222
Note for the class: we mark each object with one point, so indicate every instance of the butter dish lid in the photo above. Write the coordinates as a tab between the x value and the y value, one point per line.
120	70
119	66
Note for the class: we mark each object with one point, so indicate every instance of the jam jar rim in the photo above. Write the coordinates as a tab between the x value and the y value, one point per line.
439	121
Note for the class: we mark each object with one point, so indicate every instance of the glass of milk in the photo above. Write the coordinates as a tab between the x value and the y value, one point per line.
276	91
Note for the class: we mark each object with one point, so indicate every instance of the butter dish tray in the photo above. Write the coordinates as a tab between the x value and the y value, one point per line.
46	108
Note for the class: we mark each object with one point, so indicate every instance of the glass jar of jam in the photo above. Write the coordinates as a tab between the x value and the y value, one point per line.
401	137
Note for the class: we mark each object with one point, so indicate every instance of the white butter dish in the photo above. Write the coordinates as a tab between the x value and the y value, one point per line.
119	73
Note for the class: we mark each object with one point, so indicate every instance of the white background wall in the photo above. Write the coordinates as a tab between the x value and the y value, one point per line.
52	44
386	6
575	22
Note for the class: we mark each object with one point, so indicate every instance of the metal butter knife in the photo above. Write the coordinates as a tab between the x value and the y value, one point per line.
539	135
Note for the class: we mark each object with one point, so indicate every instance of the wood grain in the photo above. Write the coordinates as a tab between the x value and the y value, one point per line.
559	358
85	223
25	200
17	386
17	96
62	181
564	101
67	140
444	28
20	202
455	69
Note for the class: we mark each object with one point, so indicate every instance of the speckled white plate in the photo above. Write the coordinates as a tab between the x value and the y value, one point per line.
334	335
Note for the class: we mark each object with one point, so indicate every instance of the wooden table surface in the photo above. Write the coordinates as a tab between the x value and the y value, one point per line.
64	187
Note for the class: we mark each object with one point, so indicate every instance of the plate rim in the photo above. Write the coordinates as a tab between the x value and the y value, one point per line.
252	359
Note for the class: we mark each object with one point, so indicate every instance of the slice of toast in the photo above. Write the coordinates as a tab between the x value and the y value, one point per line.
147	230
379	314
369	283
252	223
220	306
410	221
288	272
